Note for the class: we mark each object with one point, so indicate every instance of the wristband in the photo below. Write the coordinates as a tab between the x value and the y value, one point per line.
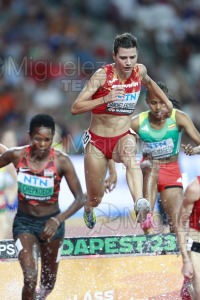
56	220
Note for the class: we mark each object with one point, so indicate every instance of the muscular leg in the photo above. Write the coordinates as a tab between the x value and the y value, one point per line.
195	256
150	189
171	199
49	267
125	152
4	224
150	178
28	259
95	165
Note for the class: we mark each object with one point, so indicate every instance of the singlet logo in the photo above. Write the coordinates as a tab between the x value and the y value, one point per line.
24	169
179	180
145	128
128	85
48	173
171	126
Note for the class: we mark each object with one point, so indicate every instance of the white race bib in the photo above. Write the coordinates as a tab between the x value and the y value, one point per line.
86	138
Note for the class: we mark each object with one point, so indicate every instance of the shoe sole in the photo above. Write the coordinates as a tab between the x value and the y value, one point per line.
142	204
89	226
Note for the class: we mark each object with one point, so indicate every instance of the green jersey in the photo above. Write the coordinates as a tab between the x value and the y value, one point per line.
159	143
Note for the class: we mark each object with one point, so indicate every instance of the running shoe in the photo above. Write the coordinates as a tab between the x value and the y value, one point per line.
90	218
147	225
142	204
134	217
184	290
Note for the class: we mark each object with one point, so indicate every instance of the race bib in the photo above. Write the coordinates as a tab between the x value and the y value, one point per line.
35	187
189	244
125	106
86	138
158	150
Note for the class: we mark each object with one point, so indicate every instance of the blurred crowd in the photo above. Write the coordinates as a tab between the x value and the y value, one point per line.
49	49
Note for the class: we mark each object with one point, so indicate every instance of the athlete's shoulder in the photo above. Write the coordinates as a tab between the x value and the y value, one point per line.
108	67
14	154
140	65
141	68
61	155
143	115
19	150
99	73
181	117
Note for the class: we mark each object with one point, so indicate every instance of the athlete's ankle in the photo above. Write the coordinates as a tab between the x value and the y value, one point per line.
87	209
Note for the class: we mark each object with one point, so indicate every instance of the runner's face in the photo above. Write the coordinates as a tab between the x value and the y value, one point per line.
158	108
41	141
125	60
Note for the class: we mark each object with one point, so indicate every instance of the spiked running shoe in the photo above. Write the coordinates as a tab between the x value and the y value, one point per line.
142	204
147	225
90	219
185	295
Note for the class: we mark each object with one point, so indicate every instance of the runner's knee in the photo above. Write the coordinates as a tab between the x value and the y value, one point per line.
129	148
95	201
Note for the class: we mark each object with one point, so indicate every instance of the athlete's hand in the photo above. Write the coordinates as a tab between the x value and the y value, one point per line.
115	94
164	113
187	269
147	156
49	230
188	149
110	182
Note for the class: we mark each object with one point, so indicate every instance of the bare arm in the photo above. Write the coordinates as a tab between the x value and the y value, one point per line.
2	148
69	173
186	123
190	150
11	189
154	89
67	170
83	102
111	181
9	156
196	150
